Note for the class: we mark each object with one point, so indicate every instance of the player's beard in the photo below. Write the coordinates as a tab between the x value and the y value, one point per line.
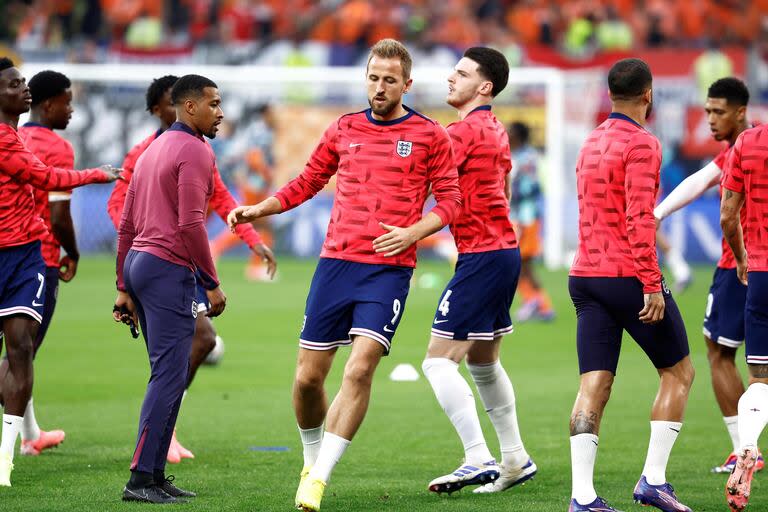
458	99
649	111
385	109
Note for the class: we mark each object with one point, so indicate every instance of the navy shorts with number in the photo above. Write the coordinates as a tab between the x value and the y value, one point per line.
347	298
756	318
51	296
22	281
607	306
475	304
724	316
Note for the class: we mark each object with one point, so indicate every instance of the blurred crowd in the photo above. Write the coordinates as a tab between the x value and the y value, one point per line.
574	27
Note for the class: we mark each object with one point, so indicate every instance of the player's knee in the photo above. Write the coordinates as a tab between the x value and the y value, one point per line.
597	390
308	381
205	341
683	374
22	350
359	373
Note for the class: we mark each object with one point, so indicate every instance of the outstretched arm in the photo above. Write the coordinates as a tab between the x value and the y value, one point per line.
690	189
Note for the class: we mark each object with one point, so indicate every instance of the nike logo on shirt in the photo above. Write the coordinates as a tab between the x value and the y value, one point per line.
354	145
439	321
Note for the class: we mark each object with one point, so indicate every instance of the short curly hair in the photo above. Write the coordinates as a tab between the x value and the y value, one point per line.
157	88
46	85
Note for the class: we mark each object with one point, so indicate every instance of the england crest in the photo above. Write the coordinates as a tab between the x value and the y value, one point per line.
404	148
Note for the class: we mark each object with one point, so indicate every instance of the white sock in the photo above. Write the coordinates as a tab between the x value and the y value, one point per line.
663	436
753	414
455	397
30	430
332	448
310	439
732	424
498	398
11	429
583	455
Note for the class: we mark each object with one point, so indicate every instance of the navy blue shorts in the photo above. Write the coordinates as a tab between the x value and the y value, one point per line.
607	306
475	304
724	316
201	296
22	281
756	318
348	298
51	296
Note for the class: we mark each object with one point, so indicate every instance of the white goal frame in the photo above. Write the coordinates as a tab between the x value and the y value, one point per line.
554	82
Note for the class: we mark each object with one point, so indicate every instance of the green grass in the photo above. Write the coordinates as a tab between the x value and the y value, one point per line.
90	379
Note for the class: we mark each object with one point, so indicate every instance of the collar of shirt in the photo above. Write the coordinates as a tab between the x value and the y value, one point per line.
30	124
624	117
178	126
369	115
480	108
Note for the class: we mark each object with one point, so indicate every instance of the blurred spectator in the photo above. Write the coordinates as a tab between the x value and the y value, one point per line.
711	65
613	33
349	27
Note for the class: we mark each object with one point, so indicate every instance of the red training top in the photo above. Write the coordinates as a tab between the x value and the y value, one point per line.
56	151
617	177
20	172
746	174
482	156
385	169
727	260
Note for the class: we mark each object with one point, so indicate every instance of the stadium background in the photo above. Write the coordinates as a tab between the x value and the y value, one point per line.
91	379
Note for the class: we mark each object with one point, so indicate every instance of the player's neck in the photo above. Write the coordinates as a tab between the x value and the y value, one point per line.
396	113
36	118
189	125
744	126
12	120
637	114
468	107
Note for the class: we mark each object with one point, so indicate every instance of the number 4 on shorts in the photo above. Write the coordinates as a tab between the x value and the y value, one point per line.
445	305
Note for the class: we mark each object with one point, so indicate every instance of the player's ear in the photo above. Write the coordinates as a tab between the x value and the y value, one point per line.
407	86
741	113
190	106
648	96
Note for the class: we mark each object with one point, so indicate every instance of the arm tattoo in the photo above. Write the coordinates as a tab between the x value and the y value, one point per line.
585	422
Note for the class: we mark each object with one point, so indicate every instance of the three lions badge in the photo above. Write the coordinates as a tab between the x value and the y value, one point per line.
404	148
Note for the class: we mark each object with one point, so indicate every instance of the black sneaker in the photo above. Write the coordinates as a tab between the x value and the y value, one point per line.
167	486
150	494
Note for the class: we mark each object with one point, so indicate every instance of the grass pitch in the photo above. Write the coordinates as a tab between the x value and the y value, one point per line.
90	379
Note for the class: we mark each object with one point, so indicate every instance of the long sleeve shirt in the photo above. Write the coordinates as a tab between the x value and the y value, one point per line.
384	172
21	172
617	177
166	204
221	201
